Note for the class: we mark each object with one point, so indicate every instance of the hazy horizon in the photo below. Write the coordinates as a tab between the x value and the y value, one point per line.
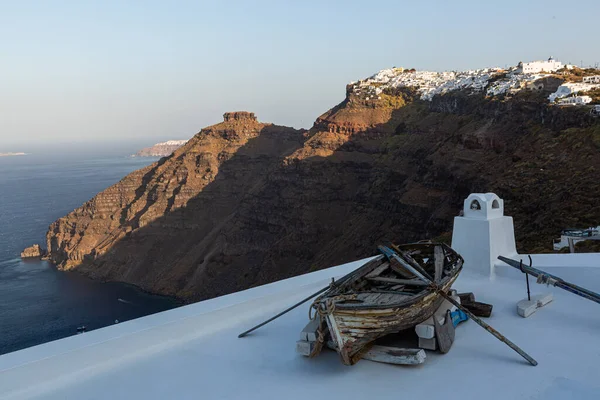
83	74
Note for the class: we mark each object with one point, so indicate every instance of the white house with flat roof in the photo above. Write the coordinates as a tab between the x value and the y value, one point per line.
535	67
591	79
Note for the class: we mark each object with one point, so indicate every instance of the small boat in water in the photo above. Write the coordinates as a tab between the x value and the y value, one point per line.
385	296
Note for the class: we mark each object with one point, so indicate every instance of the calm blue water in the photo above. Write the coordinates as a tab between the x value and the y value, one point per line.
37	302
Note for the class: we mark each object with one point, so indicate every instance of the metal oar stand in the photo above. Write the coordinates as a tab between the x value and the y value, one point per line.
531	304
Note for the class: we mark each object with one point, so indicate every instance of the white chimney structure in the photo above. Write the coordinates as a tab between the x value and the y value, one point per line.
483	233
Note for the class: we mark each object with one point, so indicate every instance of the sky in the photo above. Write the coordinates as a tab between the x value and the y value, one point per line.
105	73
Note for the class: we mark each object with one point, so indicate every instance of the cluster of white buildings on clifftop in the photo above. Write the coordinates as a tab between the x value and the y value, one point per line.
494	81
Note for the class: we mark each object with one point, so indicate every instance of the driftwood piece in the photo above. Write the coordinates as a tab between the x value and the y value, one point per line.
466	297
444	333
310	331
391	355
479	309
305	348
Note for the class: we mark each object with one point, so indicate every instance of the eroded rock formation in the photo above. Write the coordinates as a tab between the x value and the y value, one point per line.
32	252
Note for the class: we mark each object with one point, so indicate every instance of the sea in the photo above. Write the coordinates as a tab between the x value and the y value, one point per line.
38	303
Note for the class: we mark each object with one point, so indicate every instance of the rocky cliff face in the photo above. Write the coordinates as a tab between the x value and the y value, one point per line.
244	203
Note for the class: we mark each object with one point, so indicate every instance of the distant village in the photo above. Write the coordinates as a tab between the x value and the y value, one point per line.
567	84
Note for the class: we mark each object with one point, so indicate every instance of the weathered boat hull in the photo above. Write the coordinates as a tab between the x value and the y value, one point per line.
354	330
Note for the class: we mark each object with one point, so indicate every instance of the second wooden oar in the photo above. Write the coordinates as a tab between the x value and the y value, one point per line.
549	279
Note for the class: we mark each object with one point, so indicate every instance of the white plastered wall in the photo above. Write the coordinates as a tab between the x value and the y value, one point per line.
483	233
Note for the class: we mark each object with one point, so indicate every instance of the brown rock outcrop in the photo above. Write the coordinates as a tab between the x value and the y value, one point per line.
32	252
245	203
239	116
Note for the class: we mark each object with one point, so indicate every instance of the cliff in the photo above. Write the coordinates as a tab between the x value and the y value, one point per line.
163	149
244	203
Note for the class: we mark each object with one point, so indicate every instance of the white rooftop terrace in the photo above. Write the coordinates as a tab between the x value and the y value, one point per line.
193	352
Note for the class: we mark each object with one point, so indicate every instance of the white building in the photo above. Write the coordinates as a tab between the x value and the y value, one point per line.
570	88
591	79
535	67
576	100
576	235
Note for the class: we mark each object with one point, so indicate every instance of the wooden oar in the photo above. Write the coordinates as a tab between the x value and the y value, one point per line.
331	286
283	312
434	286
485	326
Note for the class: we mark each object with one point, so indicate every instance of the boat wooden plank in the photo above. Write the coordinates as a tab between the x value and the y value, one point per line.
408	282
391	355
333	328
390	298
369	297
378	271
351	279
438	256
377	298
403	272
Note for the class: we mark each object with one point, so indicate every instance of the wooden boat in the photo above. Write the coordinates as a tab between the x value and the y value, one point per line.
383	297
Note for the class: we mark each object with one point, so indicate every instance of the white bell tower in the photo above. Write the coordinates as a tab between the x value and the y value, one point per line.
483	233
